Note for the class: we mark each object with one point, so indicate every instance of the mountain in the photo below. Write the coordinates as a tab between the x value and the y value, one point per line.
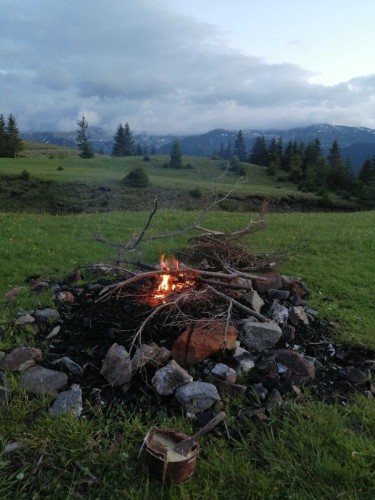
357	143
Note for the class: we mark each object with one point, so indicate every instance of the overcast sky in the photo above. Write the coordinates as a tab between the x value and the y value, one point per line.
187	66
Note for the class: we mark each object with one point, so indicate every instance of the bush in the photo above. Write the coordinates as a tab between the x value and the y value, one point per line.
136	178
25	175
146	158
188	166
196	192
60	168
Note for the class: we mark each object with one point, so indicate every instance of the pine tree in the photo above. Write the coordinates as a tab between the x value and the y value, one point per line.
129	142
3	142
239	149
259	152
119	142
336	168
12	139
175	156
83	140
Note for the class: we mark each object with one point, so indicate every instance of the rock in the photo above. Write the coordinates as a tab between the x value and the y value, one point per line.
224	372
46	315
289	332
69	365
288	366
12	294
68	402
355	375
65	296
254	300
274	400
203	340
278	313
39	287
260	336
278	294
25	319
197	396
116	366
21	358
244	361
226	388
39	380
150	354
296	300
258	392
297	315
267	282
168	378
53	332
295	285
4	390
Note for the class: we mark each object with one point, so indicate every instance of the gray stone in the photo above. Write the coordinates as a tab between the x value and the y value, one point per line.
39	380
39	287
267	282
197	396
289	366
69	364
297	315
244	361
278	294
68	402
116	366
168	378
4	390
260	336
150	354
226	388
355	375
258	392
45	315
21	358
274	400
224	372
25	319
289	332
279	313
254	300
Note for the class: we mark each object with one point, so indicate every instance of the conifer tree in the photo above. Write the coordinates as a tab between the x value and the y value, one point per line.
175	156
83	140
3	150
239	149
13	142
259	152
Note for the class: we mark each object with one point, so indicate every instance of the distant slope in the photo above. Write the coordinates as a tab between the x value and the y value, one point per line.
357	143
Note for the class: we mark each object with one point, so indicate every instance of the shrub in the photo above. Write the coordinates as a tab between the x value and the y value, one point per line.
60	168
146	158
188	166
196	192
136	178
25	175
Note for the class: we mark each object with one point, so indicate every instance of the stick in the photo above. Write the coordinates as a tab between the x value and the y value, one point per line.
240	306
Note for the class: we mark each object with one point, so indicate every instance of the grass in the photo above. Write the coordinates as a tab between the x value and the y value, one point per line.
71	184
307	450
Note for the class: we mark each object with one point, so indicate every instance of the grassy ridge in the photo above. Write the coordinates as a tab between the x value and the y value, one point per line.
75	185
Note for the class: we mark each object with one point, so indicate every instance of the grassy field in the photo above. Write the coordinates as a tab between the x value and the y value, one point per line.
60	184
307	450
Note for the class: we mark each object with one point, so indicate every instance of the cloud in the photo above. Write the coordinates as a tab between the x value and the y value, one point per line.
139	62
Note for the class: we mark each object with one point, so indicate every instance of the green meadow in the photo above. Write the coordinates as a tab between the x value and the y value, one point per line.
305	450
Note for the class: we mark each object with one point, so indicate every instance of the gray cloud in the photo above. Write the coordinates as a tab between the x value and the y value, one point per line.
141	63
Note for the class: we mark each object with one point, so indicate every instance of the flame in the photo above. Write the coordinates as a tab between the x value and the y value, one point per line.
170	282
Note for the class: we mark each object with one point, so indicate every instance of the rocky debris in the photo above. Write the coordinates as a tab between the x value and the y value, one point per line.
47	315
254	300
69	365
284	368
224	372
297	314
203	340
243	361
260	337
274	294
168	378
226	388
4	390
65	296
40	380
21	358
267	282
25	319
39	287
196	397
68	402
258	393
289	332
355	375
295	286
279	313
116	366
150	354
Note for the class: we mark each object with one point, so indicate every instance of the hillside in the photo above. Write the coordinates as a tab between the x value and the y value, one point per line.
61	184
357	143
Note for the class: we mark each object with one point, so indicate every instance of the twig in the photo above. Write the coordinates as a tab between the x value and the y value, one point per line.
224	285
240	306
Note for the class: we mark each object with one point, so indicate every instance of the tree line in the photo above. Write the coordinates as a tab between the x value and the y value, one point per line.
10	142
305	164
